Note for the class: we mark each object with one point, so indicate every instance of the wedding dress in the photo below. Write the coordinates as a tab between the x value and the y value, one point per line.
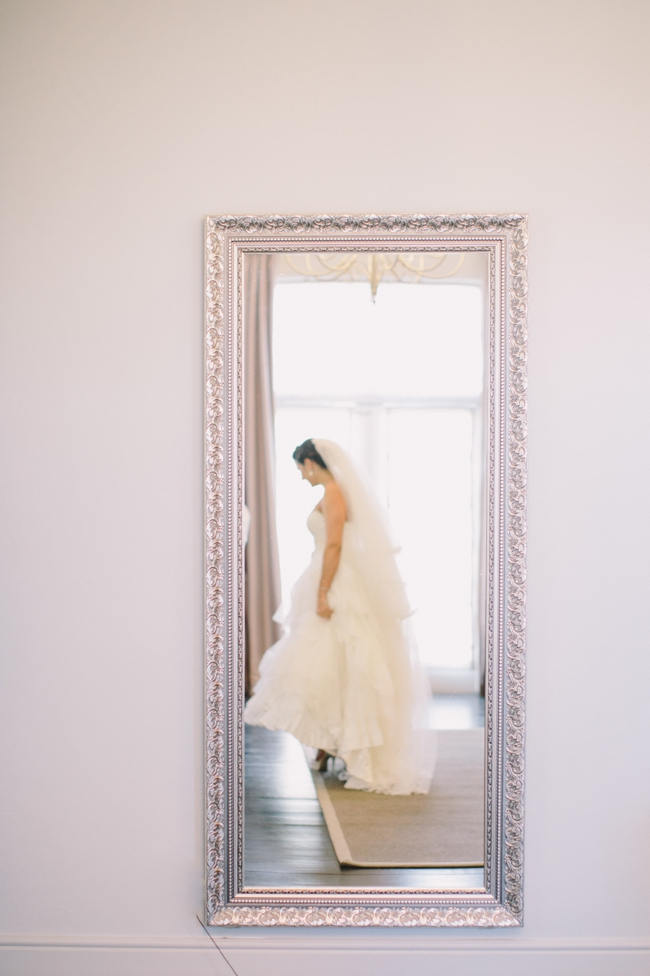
350	684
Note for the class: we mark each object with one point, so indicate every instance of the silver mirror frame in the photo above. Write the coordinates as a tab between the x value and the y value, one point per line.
500	901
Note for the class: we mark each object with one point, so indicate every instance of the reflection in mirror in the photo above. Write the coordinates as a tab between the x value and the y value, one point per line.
383	354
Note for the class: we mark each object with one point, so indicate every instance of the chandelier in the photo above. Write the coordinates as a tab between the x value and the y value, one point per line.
375	267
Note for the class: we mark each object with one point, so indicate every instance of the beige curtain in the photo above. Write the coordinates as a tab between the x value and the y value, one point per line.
262	566
482	581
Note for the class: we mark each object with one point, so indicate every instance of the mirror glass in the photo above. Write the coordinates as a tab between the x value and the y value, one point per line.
384	354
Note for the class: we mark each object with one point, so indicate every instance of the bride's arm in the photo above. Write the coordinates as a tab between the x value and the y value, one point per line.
334	512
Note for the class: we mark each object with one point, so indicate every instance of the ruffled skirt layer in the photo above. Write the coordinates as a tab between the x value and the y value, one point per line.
345	685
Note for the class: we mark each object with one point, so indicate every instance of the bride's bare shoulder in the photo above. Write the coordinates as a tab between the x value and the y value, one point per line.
333	497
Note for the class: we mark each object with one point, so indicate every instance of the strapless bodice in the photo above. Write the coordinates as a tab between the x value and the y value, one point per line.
316	525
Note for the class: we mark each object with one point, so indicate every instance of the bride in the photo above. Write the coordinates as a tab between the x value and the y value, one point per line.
343	678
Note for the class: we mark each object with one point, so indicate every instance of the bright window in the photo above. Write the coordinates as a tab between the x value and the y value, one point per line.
399	384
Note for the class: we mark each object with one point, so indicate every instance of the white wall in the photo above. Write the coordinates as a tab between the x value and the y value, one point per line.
124	123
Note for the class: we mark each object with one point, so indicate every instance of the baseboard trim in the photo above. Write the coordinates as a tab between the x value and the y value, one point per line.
399	940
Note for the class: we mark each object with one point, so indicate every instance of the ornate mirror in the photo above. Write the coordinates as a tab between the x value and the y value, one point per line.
399	341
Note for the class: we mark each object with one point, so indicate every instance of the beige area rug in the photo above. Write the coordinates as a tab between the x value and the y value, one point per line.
440	830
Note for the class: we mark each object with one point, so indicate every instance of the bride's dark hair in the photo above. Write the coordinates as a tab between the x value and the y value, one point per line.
307	450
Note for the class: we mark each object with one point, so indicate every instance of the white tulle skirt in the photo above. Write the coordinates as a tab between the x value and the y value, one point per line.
348	684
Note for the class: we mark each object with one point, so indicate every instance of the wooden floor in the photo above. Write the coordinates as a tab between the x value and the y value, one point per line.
286	843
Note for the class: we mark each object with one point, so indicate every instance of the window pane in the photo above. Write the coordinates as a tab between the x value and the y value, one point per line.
416	340
427	482
431	509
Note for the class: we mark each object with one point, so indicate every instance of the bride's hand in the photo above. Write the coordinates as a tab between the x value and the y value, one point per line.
323	609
